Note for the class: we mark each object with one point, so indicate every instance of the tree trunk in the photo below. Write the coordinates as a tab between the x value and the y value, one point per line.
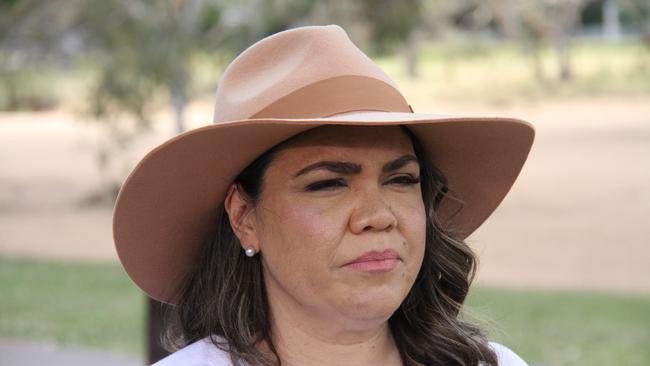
564	58
179	102
565	17
410	53
611	21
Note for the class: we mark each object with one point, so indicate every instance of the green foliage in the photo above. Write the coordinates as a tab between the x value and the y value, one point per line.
277	15
144	46
391	22
29	36
24	90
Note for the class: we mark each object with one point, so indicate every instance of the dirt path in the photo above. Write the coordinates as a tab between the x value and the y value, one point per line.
577	216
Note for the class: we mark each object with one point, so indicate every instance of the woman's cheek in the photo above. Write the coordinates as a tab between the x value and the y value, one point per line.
315	220
414	227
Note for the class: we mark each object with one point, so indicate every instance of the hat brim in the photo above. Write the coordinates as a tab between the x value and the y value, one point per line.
167	206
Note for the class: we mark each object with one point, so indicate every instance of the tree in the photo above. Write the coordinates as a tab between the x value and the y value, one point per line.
30	37
146	45
611	20
533	21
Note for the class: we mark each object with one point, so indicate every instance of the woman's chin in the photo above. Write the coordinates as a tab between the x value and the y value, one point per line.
370	305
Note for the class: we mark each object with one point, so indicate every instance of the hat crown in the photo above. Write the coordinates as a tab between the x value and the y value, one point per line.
309	71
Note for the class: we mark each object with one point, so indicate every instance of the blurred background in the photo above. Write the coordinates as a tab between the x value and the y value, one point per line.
87	87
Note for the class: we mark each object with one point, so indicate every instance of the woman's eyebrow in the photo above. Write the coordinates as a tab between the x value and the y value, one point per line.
340	167
399	162
347	168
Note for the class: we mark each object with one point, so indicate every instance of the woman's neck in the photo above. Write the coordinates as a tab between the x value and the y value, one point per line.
305	340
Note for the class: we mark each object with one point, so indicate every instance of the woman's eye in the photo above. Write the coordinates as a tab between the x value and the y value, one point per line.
406	180
326	185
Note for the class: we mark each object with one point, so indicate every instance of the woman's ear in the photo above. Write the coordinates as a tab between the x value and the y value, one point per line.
242	219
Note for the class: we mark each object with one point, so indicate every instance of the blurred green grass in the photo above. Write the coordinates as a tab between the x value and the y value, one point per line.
96	305
71	304
567	327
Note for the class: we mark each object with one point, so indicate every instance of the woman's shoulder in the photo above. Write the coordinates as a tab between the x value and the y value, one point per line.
199	353
506	356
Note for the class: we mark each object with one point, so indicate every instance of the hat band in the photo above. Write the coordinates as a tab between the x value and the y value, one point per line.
337	95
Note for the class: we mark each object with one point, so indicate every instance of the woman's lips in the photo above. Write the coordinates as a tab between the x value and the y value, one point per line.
375	261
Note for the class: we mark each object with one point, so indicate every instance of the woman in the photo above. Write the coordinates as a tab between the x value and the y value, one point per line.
319	220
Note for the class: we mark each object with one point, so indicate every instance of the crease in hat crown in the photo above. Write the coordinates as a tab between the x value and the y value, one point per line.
310	63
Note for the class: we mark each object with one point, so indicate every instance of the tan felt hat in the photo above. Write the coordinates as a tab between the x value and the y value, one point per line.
282	85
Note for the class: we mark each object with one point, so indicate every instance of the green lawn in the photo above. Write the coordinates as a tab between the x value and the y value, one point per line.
568	328
71	304
96	305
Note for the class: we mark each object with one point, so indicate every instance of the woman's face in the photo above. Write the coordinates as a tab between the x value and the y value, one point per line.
331	196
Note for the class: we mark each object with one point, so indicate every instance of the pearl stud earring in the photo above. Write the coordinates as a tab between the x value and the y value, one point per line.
250	252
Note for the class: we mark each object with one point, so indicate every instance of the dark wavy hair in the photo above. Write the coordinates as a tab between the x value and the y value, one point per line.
225	298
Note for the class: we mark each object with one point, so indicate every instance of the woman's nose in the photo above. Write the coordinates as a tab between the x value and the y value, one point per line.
372	212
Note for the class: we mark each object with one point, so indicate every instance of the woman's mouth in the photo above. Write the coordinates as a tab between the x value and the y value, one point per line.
375	262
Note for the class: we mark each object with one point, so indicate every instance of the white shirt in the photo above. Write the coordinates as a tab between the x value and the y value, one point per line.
204	353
